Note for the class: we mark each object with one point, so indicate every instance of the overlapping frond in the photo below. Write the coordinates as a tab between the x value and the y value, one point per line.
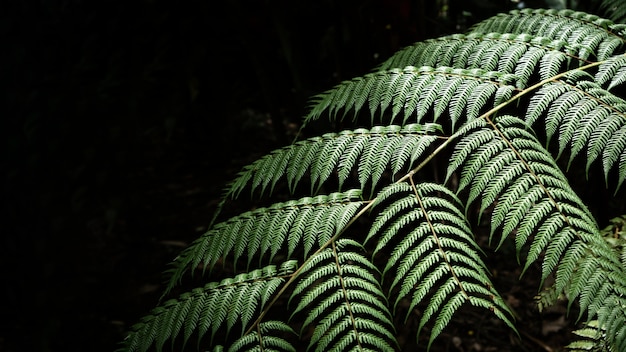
287	227
504	164
339	292
415	92
216	305
432	253
370	152
507	165
518	54
591	36
583	115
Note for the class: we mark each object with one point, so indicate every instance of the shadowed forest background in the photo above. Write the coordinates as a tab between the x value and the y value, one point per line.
122	121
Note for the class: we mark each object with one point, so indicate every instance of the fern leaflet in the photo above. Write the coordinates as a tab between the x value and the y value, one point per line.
416	92
340	291
231	301
437	260
589	34
583	115
544	211
518	54
360	149
294	224
612	72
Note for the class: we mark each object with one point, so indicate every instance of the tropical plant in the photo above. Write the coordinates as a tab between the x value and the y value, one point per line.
373	236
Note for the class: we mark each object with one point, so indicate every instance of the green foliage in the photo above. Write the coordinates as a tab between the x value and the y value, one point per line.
499	105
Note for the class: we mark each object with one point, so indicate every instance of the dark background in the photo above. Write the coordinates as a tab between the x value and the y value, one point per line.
122	121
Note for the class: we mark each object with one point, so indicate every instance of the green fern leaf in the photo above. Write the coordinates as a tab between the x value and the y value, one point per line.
342	296
267	229
549	216
615	149
513	151
337	151
473	92
437	251
588	34
519	54
583	115
231	301
612	72
267	337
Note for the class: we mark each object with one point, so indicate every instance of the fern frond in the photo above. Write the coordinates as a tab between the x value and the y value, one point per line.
267	337
500	160
416	91
432	52
584	115
594	339
538	206
434	254
519	54
371	152
589	34
612	72
231	301
290	225
339	290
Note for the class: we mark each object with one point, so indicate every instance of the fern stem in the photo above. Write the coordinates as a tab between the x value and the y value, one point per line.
539	84
441	147
441	250
258	331
343	288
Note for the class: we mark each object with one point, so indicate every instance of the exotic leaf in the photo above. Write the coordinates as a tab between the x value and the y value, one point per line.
345	304
231	301
591	36
291	225
518	54
434	255
413	92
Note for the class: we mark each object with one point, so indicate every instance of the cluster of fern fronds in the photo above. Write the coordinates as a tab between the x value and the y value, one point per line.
506	107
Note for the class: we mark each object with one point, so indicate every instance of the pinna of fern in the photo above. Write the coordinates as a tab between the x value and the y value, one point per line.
572	106
417	231
523	43
518	54
544	211
590	35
